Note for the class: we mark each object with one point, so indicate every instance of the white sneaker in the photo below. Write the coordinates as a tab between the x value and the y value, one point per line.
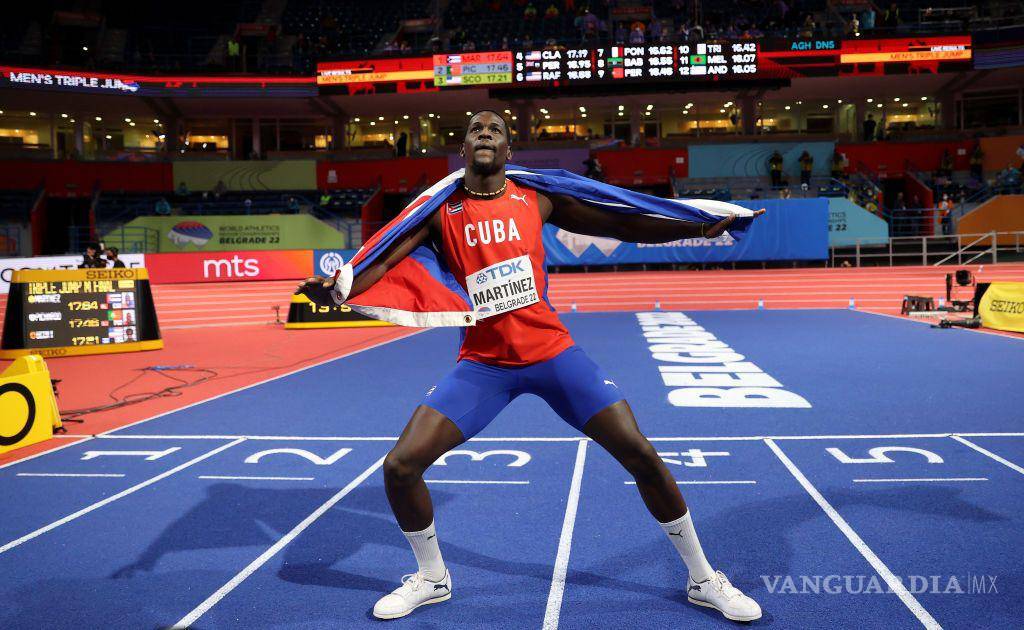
716	592
414	592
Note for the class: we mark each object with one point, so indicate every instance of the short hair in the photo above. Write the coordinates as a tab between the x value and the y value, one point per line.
508	130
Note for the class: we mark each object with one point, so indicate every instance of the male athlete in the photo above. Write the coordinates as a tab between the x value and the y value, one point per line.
522	348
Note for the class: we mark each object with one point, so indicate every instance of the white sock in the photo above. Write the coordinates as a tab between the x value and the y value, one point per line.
684	537
428	554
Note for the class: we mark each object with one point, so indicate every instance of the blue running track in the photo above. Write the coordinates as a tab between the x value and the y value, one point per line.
887	492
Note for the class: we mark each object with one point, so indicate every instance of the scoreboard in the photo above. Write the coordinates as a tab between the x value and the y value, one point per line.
661	62
79	311
484	68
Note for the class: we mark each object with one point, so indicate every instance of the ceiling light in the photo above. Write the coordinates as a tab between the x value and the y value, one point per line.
647	113
373	123
622	107
689	105
469	113
584	115
451	133
799	102
879	105
131	124
423	150
31	113
582	108
871	100
787	108
621	114
357	119
825	106
429	115
547	116
650	107
85	49
62	115
508	111
99	119
543	111
380	118
722	111
906	104
924	98
840	101
405	116
896	100
108	137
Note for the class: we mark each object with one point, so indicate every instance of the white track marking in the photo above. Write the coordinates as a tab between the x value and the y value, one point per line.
115	497
81	438
211	601
478	481
987	453
70	475
264	381
554	607
916	479
254	478
705	483
891	580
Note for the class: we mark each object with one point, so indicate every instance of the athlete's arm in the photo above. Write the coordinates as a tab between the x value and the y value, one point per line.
575	216
318	289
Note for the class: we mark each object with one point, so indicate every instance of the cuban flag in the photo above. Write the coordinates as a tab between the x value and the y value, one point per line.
420	291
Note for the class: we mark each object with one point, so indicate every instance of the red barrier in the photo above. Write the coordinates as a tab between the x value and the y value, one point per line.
71	178
643	167
890	158
396	175
229	266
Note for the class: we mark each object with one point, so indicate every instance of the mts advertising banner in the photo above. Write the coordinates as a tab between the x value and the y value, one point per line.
1002	306
9	265
229	266
792	229
226	233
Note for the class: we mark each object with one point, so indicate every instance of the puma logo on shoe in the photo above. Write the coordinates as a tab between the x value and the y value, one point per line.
695	587
607	382
679	533
431	536
522	198
440	587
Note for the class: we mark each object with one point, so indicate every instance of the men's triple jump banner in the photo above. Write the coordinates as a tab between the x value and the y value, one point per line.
1002	306
790	229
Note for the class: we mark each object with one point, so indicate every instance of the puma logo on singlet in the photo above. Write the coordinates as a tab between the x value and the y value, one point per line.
607	382
522	198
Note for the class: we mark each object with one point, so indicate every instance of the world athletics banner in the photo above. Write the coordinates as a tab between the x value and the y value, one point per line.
791	229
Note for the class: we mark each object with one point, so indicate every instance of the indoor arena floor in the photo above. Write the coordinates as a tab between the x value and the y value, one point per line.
893	497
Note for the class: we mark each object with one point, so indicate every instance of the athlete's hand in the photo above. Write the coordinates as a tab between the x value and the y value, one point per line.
318	290
716	230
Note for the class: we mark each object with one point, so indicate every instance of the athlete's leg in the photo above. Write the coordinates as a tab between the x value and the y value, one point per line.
615	429
428	435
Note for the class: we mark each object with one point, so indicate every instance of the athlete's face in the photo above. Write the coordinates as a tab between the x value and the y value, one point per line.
486	144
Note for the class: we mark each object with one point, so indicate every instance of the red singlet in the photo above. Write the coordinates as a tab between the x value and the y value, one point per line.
495	250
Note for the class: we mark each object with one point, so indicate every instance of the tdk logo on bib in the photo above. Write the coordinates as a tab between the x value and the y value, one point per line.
502	287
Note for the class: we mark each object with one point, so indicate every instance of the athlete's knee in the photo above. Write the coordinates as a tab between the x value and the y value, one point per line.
644	463
399	469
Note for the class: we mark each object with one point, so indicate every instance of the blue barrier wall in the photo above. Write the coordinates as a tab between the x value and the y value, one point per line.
848	222
791	229
750	159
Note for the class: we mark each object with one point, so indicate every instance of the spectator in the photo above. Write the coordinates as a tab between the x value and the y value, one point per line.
806	167
293	205
1020	156
551	13
325	199
112	258
621	33
838	164
91	258
1008	180
401	147
853	26
869	128
235	54
901	202
775	167
891	19
219	189
807	28
248	205
946	165
593	169
655	30
636	36
867	20
945	213
162	206
785	193
530	12
182	190
977	162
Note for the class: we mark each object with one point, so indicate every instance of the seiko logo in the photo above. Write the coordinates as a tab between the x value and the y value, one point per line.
495	230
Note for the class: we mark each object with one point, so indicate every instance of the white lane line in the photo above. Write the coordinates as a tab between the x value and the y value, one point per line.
120	495
894	583
478	481
706	483
392	438
211	601
988	453
915	479
47	452
255	478
264	381
70	475
554	607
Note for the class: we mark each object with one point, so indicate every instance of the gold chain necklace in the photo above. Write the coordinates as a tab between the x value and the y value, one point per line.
496	193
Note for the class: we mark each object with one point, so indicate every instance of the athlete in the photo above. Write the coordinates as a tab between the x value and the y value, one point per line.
519	346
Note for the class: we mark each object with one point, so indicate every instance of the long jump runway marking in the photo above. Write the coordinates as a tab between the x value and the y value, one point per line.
235	528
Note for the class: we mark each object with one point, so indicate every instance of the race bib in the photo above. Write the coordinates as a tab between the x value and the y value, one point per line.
502	287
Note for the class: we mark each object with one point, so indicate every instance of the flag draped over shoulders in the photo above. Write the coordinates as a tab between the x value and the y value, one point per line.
420	290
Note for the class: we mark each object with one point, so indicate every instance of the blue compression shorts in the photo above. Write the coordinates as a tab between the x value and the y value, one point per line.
474	393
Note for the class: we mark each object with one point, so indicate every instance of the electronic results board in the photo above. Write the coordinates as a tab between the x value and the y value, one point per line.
67	312
658	62
483	68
